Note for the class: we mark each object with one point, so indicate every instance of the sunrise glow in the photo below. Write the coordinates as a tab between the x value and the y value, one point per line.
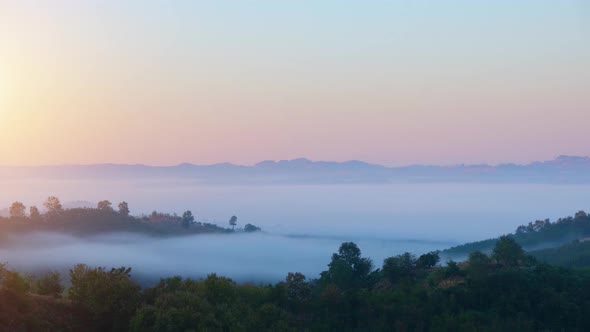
194	82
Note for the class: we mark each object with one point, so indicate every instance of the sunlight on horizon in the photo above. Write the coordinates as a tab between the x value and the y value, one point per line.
264	165
165	83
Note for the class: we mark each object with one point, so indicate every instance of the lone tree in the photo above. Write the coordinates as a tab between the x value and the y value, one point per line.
34	213
53	205
428	260
348	269
187	219
17	210
104	206
233	221
124	209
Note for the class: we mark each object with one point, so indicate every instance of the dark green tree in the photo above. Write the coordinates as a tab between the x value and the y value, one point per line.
348	269
111	296
233	221
399	268
124	209
428	260
104	206
187	219
508	253
13	281
249	228
298	290
580	215
49	284
478	266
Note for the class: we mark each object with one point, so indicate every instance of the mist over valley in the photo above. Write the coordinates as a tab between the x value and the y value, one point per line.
302	223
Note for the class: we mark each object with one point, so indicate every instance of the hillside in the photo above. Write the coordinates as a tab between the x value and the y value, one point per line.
575	254
501	292
87	222
84	221
537	235
33	312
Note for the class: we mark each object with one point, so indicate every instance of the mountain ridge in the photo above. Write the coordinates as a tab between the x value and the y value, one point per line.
560	159
564	168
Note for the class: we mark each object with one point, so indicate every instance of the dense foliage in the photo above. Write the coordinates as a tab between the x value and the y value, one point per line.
575	254
536	235
504	291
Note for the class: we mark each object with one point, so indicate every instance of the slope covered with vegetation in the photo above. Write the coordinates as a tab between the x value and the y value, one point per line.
535	236
575	254
503	291
105	219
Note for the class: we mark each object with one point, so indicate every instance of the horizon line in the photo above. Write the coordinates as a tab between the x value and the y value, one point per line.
291	160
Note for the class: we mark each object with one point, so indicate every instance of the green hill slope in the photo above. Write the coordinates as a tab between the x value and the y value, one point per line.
536	235
576	254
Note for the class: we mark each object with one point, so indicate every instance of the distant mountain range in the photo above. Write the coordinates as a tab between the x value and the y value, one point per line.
563	169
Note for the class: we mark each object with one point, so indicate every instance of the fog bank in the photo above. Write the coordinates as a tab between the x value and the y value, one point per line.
243	257
434	211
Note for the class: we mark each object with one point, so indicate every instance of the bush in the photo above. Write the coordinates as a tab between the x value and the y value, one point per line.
49	284
13	281
110	295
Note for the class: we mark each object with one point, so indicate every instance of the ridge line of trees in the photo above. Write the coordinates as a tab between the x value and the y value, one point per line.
537	235
105	213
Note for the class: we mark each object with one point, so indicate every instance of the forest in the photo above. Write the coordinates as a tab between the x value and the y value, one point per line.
506	290
537	235
574	254
499	286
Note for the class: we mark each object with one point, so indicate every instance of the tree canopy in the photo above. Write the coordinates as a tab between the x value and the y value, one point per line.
187	219
53	205
17	210
407	293
105	205
124	209
104	219
233	221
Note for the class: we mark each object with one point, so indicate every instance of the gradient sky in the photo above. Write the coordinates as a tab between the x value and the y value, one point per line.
390	82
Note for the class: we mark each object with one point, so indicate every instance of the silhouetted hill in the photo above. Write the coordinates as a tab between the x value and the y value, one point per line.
91	221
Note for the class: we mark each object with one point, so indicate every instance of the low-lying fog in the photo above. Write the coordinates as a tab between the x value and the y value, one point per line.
243	257
384	219
439	211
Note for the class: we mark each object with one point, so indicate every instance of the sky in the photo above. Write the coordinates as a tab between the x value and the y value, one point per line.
389	82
